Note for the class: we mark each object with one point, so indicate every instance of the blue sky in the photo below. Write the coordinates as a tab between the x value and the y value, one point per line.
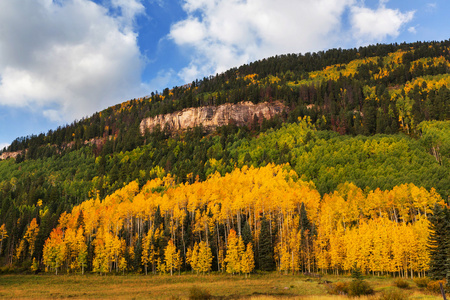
62	60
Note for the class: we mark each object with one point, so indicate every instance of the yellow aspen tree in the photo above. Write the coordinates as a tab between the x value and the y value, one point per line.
34	265
122	264
421	233
160	266
285	258
31	235
194	258
365	242
100	262
146	244
171	257
71	248
82	249
221	259
189	257
295	239
30	238
20	250
386	240
204	257
3	235
351	246
54	250
337	253
248	260
232	258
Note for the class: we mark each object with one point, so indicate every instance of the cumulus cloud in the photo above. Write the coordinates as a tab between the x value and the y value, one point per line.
3	145
68	58
370	25
228	33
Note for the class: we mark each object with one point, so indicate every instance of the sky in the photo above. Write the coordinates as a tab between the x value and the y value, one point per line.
63	60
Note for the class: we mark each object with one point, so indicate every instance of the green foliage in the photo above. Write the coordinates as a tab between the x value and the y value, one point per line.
358	288
401	283
328	159
265	261
356	272
422	282
438	242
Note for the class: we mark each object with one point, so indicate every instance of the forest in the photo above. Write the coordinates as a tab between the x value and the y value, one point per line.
354	173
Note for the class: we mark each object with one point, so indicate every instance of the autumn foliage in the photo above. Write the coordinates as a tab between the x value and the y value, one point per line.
165	227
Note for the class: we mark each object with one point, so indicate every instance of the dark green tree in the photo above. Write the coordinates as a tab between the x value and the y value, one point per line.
265	259
247	233
438	241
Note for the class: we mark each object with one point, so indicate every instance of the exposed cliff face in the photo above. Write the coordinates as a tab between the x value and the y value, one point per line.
6	155
211	117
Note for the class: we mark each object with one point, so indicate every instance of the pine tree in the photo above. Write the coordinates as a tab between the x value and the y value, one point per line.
437	243
247	233
356	272
447	245
266	261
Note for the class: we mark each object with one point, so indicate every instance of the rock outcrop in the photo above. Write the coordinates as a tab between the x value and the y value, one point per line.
211	117
6	155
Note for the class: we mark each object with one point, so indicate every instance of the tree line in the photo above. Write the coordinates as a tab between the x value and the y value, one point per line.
250	219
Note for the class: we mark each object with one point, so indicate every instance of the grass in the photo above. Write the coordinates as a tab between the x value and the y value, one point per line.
258	287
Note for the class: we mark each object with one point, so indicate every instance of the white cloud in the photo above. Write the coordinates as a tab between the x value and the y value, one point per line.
70	56
228	33
412	30
128	10
232	32
3	145
374	25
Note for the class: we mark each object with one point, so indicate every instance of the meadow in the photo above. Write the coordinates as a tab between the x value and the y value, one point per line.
259	286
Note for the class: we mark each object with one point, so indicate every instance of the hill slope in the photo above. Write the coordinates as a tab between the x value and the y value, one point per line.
375	119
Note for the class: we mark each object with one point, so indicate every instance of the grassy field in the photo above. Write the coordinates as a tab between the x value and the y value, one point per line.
261	287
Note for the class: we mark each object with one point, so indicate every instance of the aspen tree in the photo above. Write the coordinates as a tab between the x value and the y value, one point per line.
248	260
3	235
232	258
31	235
204	257
171	257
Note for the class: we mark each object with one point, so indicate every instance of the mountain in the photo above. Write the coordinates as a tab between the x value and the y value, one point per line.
366	125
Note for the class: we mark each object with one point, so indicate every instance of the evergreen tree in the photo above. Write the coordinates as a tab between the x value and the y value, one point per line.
265	260
356	272
304	223
439	245
247	233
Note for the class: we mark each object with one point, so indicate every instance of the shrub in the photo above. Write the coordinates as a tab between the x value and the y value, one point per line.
434	287
422	282
338	288
393	294
196	293
358	288
401	283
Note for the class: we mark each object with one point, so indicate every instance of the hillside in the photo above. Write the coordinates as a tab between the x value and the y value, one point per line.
371	123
